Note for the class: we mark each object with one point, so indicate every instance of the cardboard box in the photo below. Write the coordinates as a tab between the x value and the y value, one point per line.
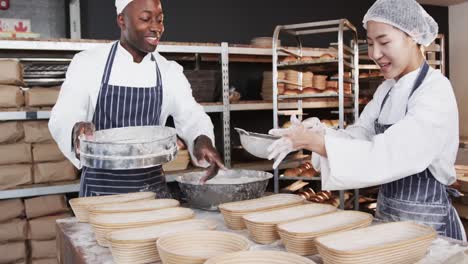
11	252
43	249
37	132
10	96
43	152
11	72
15	175
41	96
11	132
43	228
14	230
54	171
11	208
45	205
15	153
45	261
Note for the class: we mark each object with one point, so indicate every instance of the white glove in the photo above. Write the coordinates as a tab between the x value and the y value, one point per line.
283	146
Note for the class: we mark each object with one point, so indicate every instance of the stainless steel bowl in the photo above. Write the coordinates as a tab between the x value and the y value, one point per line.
129	147
227	186
255	143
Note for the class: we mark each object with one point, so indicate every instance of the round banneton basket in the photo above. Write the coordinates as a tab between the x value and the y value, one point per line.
262	226
138	245
298	236
259	257
198	246
136	206
233	212
105	223
81	205
398	243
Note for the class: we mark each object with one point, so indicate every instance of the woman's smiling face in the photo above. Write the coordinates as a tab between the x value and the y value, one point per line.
393	50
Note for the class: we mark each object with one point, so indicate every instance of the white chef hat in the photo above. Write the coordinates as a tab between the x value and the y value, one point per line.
406	15
121	4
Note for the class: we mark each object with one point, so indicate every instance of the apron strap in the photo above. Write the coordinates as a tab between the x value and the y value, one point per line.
109	63
419	80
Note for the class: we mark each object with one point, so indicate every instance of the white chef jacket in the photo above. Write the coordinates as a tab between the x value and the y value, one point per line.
425	137
79	94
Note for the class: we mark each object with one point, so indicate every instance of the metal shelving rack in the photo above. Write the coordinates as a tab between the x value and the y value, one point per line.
435	53
63	51
347	58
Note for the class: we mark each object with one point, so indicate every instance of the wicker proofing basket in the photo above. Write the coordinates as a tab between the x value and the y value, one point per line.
80	206
136	206
262	226
198	246
298	236
394	243
259	257
138	245
105	223
233	212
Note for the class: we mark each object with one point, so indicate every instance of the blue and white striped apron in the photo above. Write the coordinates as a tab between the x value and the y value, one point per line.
418	197
124	106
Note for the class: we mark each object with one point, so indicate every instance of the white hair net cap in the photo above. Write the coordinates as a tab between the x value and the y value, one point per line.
406	15
121	4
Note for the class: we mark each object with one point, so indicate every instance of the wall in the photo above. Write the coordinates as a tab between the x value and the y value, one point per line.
458	20
48	17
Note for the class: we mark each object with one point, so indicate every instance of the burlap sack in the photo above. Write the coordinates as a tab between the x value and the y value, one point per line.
14	230
37	132
15	175
54	171
43	249
46	152
11	132
11	208
41	96
43	228
11	252
45	261
15	153
45	205
11	96
11	72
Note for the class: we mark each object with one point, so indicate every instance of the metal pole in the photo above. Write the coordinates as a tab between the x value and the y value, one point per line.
226	105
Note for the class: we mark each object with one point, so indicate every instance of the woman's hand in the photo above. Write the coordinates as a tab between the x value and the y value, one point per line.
306	135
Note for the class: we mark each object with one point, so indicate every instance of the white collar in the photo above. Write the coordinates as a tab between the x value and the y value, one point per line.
406	80
128	57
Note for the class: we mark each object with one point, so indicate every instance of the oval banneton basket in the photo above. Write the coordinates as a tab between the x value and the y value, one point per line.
135	206
105	223
138	245
262	226
198	246
80	206
298	236
233	212
259	257
398	242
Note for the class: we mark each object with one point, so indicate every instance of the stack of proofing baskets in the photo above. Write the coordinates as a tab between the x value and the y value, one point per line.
233	212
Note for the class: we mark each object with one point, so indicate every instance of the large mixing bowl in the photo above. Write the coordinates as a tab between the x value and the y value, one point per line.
128	147
255	143
227	186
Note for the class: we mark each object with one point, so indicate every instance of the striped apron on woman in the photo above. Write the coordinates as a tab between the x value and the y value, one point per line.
418	197
124	106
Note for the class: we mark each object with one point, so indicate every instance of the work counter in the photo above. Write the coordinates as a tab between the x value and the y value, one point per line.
76	243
